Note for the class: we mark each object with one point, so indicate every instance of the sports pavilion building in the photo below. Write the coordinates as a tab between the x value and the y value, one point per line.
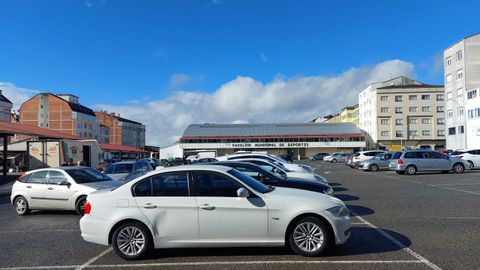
299	139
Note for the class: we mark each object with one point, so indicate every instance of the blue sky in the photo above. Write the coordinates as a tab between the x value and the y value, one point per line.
119	53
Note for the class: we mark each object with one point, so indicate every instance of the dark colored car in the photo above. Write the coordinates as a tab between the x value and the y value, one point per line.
204	160
287	158
273	179
153	162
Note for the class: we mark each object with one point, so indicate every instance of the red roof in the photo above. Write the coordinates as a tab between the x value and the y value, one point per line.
17	128
120	148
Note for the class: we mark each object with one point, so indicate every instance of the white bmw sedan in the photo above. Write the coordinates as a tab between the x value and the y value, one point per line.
211	206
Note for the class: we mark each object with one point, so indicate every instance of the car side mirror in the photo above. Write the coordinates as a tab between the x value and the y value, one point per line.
68	184
276	170
242	193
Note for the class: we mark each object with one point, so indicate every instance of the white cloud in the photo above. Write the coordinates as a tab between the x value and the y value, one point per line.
246	100
16	95
263	57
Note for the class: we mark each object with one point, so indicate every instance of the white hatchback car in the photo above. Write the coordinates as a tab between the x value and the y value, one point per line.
472	157
63	188
211	206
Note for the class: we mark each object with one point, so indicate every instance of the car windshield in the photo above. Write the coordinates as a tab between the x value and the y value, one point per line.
87	175
455	153
249	181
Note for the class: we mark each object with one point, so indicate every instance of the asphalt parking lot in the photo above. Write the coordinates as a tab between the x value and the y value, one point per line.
427	221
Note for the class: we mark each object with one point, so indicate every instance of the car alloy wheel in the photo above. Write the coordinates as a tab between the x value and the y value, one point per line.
132	241
458	168
470	164
309	237
411	170
374	167
80	206
21	206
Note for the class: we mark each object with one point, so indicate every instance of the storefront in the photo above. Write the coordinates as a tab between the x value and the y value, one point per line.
299	139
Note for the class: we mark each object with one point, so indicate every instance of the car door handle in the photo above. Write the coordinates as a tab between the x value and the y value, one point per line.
149	206
208	207
29	186
50	188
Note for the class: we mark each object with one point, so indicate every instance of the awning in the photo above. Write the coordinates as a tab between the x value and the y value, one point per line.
17	128
120	148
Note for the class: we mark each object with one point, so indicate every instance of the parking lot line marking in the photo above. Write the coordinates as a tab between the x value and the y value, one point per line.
92	260
460	184
357	223
39	231
431	185
139	265
398	243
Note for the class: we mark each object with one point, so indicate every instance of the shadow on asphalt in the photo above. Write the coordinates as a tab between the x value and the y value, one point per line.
4	199
339	189
334	184
363	241
360	210
52	213
346	197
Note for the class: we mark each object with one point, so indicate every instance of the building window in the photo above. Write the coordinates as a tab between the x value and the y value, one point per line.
460	92
425	97
449	95
398	110
451	131
425	132
440	121
398	122
440	97
385	121
425	109
461	130
460	111
472	94
426	121
384	98
398	98
384	133
412	109
459	73
440	109
459	55
449	113
448	61
440	133
412	133
412	97
448	78
399	134
384	109
412	121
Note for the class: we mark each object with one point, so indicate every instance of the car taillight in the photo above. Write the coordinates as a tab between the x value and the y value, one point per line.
400	161
356	158
88	208
459	156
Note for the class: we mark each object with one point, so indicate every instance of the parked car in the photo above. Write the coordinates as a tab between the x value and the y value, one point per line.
378	162
342	157
286	158
270	178
174	162
122	169
204	160
153	162
63	188
318	156
364	155
327	156
282	171
471	156
349	161
270	157
413	161
212	206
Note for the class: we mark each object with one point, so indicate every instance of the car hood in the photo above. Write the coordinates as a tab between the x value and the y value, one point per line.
103	184
296	195
303	182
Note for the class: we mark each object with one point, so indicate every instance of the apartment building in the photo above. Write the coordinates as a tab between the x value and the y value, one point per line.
462	81
349	115
62	113
122	131
403	113
5	108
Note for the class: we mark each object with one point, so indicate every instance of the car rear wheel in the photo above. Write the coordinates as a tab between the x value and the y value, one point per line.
132	241
458	168
470	164
309	237
334	161
21	206
80	205
374	167
411	170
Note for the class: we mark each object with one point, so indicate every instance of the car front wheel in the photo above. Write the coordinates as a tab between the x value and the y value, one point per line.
470	164
374	167
309	237
21	206
80	206
132	241
458	168
334	161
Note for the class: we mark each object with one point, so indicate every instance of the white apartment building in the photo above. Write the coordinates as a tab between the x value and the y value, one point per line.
462	80
403	113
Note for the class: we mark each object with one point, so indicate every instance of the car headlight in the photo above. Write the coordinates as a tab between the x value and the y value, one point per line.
339	211
320	178
328	191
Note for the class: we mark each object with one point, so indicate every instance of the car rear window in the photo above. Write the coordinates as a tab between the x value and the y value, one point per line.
122	168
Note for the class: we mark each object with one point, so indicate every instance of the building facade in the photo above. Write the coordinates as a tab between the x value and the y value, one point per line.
462	80
299	140
122	131
5	108
61	113
403	113
349	115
